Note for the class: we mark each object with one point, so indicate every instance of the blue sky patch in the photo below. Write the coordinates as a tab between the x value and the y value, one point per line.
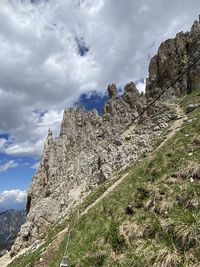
18	177
93	101
83	49
4	136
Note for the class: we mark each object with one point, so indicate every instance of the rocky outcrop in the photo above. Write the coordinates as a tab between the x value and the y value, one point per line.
87	152
90	148
173	57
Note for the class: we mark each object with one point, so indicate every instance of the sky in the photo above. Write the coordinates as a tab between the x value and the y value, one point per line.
55	53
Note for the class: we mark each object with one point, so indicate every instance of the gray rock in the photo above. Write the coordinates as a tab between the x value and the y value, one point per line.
192	107
90	148
173	57
112	90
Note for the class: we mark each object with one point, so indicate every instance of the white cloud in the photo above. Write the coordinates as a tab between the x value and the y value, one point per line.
2	144
29	138
41	69
12	199
8	165
141	85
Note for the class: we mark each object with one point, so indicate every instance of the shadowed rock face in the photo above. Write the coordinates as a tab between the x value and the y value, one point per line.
173	57
90	147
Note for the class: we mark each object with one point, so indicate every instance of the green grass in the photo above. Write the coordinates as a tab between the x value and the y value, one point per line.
162	225
149	176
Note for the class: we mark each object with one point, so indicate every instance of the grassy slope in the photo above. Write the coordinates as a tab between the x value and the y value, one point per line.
151	218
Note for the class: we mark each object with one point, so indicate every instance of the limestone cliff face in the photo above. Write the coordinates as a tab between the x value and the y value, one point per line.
91	147
171	60
85	155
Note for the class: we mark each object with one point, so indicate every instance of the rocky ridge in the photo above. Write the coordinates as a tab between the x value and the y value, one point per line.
90	147
10	223
173	57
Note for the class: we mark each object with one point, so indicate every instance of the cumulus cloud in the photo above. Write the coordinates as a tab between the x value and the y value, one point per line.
8	165
29	140
53	51
12	199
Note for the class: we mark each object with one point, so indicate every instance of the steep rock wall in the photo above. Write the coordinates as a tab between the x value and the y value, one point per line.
89	149
173	56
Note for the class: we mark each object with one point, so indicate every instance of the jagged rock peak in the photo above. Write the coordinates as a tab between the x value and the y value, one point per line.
50	133
196	27
173	56
112	90
130	87
49	138
123	108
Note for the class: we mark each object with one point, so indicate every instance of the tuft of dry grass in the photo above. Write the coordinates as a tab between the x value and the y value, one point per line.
163	254
166	258
186	227
191	172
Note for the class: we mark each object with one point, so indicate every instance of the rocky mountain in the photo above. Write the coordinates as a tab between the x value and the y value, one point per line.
91	149
10	223
88	151
150	216
173	57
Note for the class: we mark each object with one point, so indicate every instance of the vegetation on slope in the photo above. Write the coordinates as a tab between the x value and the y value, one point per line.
151	219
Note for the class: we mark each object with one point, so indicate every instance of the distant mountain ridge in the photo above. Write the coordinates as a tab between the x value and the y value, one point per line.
10	223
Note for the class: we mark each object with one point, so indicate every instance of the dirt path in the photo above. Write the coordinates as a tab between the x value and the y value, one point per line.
50	251
107	192
5	260
176	125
